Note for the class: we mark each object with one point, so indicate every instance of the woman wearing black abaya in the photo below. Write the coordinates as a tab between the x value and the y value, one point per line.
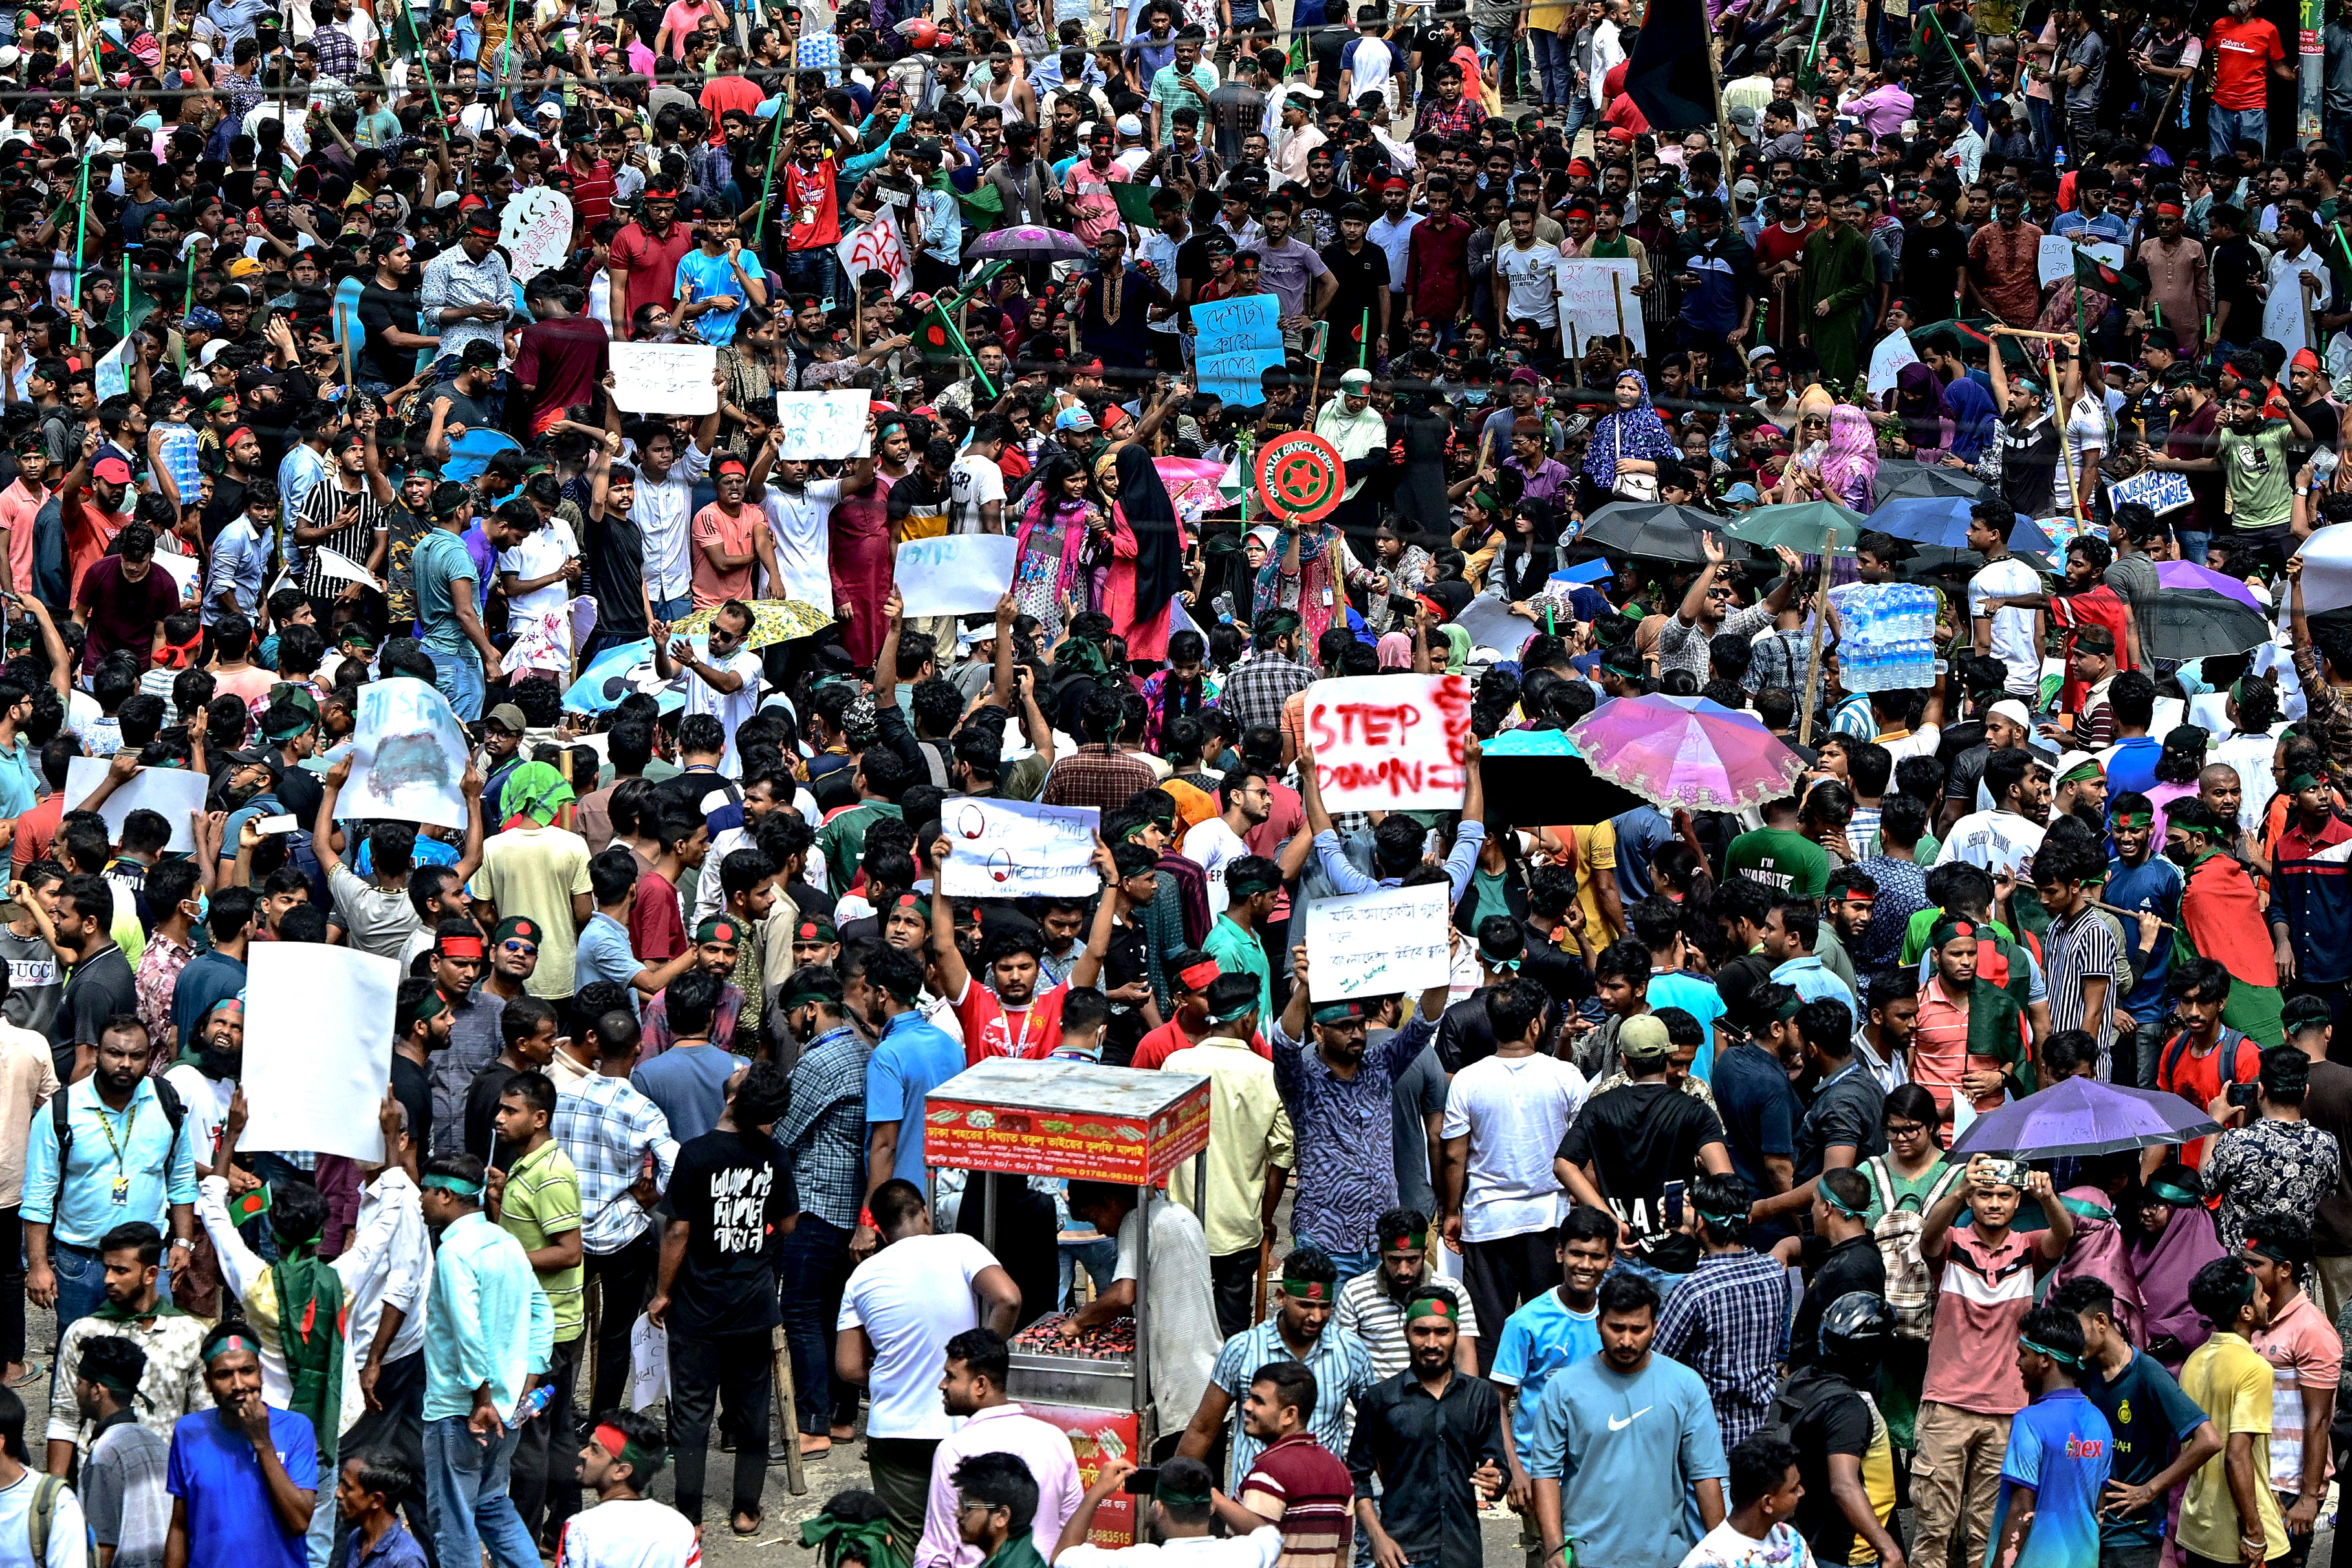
1146	568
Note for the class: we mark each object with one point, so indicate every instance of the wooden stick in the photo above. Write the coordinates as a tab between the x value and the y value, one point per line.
1617	286
2128	914
2021	332
1821	624
788	1404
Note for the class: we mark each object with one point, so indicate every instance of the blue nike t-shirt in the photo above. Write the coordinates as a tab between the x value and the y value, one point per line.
1626	1449
2062	1448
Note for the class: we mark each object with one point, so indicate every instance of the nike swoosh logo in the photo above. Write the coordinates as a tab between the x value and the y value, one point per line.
1617	1425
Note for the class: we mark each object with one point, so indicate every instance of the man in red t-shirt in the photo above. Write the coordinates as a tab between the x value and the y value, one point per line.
1007	1017
1188	978
643	267
563	353
2245	50
813	201
2192	1063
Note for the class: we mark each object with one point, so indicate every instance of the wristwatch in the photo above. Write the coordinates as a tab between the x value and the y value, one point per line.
183	1241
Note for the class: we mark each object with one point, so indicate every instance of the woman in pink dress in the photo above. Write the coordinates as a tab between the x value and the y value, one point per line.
860	540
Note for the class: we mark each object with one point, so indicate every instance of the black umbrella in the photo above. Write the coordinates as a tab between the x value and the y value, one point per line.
2190	623
1652	530
1534	776
1900	478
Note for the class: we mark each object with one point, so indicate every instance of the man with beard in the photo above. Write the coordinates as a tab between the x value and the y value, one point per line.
972	1391
421	1020
1009	1016
1374	1305
459	957
1298	1330
345	513
2080	791
135	1308
2080	953
2004	839
488	1326
1432	1434
467	296
207	1084
241	472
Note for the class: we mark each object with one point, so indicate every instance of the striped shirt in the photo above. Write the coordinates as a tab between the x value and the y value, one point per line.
1306	1489
1939	1044
1342	1369
324	507
1368	1311
2080	948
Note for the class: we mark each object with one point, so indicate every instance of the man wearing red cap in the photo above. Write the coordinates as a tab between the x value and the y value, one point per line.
89	505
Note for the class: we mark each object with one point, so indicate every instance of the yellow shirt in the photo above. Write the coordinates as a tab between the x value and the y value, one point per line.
1248	1131
2230	1382
1596	857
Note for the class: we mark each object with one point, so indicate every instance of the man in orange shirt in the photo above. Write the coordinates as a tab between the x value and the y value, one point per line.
20	506
2245	50
729	538
91	505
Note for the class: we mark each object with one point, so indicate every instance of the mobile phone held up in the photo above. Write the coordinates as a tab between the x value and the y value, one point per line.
1141	1483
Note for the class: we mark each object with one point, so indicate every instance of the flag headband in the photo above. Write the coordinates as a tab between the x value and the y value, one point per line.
617	1443
2133	819
456	1186
1408	1241
1305	1290
1433	1306
228	1344
2270	1249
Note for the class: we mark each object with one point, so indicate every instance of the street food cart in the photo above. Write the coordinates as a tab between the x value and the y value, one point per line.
1083	1122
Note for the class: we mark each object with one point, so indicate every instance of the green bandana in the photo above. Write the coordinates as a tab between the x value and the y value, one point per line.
1305	1290
2305	781
457	1185
2172	1192
1434	1306
1084	657
534	790
2061	1357
835	1539
1165	1494
108	1312
2132	819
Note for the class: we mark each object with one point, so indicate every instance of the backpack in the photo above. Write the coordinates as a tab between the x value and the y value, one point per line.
44	1512
175	1112
1910	1288
2227	1050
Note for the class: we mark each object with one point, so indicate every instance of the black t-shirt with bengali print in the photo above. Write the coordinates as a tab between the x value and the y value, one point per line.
735	1193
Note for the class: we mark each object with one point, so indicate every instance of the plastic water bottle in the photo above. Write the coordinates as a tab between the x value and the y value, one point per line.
536	1400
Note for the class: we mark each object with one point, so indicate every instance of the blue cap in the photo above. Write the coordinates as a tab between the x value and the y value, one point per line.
1074	418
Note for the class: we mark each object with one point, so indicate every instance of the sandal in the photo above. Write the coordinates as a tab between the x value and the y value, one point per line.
34	1372
814	1445
756	1521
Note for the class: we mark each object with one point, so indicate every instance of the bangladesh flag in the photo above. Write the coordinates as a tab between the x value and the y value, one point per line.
249	1206
2090	272
1135	203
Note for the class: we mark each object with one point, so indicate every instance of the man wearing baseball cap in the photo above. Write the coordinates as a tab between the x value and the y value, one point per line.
89	505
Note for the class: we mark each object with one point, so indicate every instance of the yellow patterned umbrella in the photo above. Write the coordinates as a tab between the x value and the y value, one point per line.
772	621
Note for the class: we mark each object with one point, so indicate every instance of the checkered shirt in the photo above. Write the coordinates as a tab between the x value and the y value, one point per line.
824	1133
1724	1323
1096	775
607	1127
1257	689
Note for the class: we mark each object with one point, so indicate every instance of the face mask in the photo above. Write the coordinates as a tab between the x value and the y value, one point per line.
1475	398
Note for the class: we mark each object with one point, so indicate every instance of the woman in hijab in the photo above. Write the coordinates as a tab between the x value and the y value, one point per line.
1917	407
1628	444
1850	464
2173	1239
1421	434
1808	444
1051	554
859	531
1393	578
1147	551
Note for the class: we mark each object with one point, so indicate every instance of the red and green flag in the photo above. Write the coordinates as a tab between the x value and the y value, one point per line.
249	1206
2091	272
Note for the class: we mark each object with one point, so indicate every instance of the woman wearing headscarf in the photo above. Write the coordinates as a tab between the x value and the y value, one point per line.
859	533
1809	443
1393	578
1146	569
1628	444
2173	1239
1850	466
1529	556
1051	551
1916	407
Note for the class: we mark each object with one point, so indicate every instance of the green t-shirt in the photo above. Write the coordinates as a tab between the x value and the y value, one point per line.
1786	862
543	1201
2261	491
1238	952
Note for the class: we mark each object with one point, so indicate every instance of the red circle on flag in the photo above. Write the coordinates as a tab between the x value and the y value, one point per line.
1301	476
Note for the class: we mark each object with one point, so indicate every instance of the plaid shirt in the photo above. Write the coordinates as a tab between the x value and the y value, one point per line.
824	1133
1096	775
1724	1323
1436	120
1256	689
339	55
607	1128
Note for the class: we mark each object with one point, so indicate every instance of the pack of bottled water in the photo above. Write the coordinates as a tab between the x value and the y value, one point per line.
1887	641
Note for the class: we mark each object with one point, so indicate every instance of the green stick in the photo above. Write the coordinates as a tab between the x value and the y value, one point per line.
1958	64
1818	23
82	236
1367	361
768	180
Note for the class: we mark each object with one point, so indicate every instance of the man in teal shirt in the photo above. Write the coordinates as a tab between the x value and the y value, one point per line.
464	659
1252	884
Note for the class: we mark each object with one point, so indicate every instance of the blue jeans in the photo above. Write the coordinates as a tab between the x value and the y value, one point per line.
1100	1257
1577	107
458	678
672	610
815	1265
2225	128
812	271
466	1498
1555	67
1665	1282
2045	127
81	1282
1495	51
1350	1263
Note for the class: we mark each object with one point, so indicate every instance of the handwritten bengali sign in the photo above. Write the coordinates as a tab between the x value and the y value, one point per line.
1375	944
823	424
1237	342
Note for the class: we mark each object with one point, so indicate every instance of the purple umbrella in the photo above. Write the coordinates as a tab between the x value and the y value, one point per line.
2188	575
2082	1116
1028	242
1687	752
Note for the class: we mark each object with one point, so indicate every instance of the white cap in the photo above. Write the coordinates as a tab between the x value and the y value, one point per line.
9	54
211	351
2074	760
2014	712
1129	125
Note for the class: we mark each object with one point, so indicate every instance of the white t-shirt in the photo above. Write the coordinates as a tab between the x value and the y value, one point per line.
69	1532
1261	1548
1215	847
542	551
1725	1547
734	708
2012	630
639	1533
972	483
1997	840
801	527
1533	277
905	1300
207	1104
1513	1110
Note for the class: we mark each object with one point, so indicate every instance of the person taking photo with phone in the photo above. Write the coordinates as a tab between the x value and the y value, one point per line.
2269	1161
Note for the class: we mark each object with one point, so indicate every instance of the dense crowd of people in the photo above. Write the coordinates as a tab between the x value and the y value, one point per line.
1656	1231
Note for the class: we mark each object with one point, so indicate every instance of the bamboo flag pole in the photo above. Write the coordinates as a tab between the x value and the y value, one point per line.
1617	288
1820	625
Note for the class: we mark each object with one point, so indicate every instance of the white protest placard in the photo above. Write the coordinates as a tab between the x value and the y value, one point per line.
2159	493
1389	742
1887	360
2054	259
877	246
183	570
1595	294
665	378
1374	944
823	424
956	573
173	792
409	756
110	376
1491	624
536	229
318	1049
2327	558
1011	848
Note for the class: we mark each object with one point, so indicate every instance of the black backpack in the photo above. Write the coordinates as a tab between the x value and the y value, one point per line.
175	1112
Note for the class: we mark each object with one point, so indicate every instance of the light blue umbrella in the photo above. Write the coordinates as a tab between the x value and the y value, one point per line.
1944	519
607	679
